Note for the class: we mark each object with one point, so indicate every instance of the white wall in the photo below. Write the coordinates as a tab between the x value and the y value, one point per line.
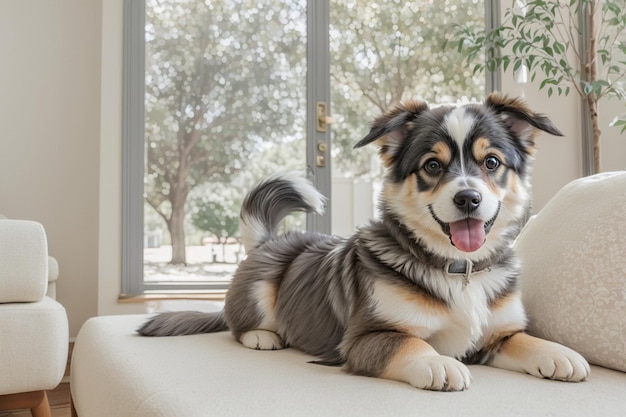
60	141
50	134
612	142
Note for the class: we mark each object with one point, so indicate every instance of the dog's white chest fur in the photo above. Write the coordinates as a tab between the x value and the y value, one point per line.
452	331
468	317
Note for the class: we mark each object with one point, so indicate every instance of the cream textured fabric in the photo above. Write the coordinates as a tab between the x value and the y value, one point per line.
115	372
53	276
53	272
33	328
574	269
23	261
33	346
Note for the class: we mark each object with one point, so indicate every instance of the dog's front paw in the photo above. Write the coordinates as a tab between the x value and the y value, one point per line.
559	363
541	358
438	373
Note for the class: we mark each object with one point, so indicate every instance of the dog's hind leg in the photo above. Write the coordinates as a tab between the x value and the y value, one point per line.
265	336
252	314
261	340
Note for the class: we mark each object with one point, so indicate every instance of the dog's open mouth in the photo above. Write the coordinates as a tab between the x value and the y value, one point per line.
469	234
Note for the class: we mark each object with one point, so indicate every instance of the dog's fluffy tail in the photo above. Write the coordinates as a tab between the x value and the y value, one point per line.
270	202
178	323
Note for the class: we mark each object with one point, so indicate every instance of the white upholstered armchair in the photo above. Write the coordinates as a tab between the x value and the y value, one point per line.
33	325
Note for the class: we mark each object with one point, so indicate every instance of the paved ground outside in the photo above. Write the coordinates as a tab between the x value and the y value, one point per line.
204	263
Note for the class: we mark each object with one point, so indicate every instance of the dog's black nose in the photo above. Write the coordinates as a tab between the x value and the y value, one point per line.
467	200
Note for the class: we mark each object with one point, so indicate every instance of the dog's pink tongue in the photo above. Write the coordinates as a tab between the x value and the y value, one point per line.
468	235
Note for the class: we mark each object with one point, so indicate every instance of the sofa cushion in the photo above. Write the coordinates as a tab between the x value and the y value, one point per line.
116	372
33	346
23	261
574	269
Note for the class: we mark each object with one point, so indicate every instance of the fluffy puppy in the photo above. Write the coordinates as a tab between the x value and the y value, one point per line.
416	295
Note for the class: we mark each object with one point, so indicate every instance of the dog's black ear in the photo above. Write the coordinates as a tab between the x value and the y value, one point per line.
393	124
519	119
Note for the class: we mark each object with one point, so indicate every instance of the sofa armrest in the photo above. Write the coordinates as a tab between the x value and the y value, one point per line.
53	275
23	261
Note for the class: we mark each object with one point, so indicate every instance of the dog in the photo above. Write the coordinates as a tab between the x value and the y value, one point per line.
420	293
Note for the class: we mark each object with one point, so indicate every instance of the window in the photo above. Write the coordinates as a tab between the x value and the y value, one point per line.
220	94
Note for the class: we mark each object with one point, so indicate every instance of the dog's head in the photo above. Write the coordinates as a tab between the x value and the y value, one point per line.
458	177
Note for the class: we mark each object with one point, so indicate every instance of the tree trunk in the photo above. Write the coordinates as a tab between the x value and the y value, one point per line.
592	102
179	190
176	226
591	75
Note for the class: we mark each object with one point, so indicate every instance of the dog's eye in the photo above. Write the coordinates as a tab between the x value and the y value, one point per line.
491	163
432	167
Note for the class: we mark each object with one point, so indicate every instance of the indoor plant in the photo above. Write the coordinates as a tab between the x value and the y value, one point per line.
572	45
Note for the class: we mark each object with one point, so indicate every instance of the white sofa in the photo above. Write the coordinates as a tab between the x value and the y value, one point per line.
574	247
33	326
53	271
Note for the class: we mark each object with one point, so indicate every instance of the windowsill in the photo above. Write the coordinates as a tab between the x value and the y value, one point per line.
209	295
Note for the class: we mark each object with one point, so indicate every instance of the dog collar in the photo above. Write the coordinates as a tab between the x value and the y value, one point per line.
465	268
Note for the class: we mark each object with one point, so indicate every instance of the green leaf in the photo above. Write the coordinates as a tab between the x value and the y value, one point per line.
506	61
516	46
598	85
619	121
559	47
461	45
604	55
613	8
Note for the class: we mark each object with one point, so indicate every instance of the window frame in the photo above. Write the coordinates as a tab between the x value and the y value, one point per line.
133	134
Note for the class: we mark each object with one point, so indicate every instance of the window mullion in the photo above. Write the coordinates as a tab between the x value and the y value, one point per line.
318	90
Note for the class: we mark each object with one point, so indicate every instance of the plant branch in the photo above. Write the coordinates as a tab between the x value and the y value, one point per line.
572	41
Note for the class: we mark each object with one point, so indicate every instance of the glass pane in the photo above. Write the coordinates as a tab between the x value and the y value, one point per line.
225	102
383	52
